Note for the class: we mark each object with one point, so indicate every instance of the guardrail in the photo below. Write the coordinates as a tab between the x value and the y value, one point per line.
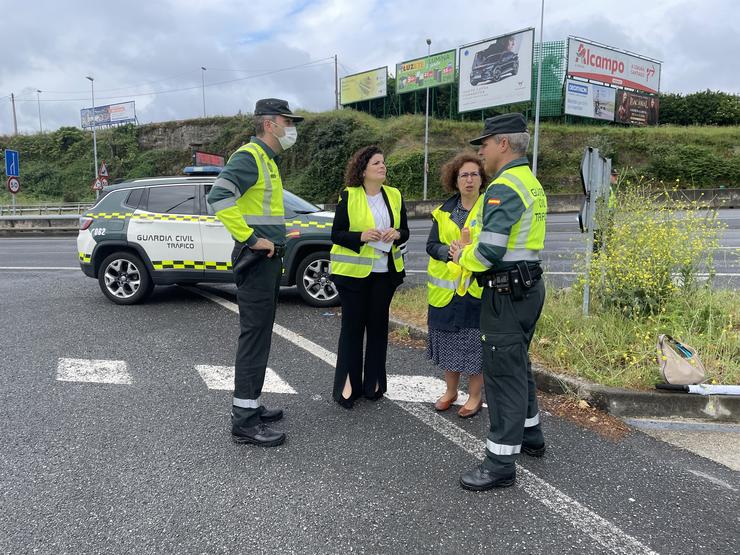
47	225
42	209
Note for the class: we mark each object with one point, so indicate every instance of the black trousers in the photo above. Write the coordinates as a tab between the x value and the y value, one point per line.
365	306
507	326
258	284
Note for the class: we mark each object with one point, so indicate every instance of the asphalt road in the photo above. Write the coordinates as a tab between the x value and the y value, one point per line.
143	463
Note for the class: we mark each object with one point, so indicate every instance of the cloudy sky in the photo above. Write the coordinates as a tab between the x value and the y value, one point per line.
152	51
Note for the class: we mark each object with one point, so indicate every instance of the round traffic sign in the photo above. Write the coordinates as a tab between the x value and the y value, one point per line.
14	184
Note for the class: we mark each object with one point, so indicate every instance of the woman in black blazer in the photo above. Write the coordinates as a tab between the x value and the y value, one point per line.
367	266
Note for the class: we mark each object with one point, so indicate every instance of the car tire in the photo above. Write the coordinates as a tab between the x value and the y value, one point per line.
496	76
124	279
515	68
313	281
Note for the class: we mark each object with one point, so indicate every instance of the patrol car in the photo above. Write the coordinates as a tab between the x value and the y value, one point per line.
157	231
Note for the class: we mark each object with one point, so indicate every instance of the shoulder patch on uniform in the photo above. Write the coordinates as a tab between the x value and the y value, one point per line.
495	201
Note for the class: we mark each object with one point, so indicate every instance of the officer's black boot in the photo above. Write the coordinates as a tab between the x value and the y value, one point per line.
483	478
270	415
247	427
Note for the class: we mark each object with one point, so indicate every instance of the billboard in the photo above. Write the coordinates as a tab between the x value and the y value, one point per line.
421	73
496	71
636	108
608	65
364	86
112	114
589	100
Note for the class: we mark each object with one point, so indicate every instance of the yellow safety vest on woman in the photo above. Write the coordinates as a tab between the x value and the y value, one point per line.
346	262
444	279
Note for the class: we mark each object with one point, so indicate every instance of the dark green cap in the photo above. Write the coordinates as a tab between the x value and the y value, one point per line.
275	107
502	125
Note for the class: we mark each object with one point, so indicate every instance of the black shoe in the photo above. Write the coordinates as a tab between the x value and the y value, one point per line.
534	451
346	403
271	415
261	435
482	479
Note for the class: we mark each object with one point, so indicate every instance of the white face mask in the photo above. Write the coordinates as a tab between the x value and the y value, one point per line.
290	135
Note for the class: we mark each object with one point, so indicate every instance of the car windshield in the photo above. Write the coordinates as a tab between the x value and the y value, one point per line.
294	203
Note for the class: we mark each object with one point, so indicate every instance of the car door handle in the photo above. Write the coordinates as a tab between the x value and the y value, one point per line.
145	221
215	225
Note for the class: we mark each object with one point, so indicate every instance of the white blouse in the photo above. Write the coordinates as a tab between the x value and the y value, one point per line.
382	222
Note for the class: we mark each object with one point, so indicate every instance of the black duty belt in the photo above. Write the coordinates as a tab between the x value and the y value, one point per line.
280	250
523	276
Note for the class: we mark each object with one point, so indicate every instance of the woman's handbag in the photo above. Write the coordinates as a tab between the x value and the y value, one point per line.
679	363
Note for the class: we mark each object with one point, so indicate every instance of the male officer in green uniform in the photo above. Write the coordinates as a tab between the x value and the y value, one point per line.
506	257
248	199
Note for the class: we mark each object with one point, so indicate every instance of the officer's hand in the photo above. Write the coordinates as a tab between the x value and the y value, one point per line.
390	235
455	252
370	235
263	244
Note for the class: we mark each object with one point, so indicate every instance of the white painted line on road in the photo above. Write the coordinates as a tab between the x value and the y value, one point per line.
222	378
605	533
77	268
93	371
712	479
419	389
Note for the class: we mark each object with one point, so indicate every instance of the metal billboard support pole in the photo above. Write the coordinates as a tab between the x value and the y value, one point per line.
95	124
539	93
426	126
203	83
38	100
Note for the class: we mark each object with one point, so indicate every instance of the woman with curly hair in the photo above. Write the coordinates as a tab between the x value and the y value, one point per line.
366	266
453	295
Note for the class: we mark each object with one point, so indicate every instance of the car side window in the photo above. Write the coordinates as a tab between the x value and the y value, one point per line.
132	201
179	199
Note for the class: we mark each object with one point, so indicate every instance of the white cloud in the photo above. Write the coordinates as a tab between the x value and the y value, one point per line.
145	46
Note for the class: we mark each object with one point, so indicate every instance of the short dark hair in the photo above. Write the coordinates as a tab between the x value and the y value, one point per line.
451	168
357	164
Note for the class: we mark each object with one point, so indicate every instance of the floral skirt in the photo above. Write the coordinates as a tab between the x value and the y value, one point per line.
456	351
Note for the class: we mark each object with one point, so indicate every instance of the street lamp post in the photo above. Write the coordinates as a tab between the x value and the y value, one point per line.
203	80
38	100
95	124
426	122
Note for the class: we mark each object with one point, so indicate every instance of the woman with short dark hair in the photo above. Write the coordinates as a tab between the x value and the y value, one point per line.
366	266
453	295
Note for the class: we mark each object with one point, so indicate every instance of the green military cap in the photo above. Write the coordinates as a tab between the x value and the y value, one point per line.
275	107
501	125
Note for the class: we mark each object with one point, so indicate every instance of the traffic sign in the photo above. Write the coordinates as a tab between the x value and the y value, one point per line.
97	184
12	163
14	184
103	170
103	181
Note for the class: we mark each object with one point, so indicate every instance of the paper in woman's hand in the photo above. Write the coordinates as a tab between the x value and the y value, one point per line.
381	246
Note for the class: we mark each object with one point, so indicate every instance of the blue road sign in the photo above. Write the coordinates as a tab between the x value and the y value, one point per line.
12	163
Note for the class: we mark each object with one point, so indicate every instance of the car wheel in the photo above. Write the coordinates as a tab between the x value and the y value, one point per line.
473	82
124	279
314	283
515	68
496	75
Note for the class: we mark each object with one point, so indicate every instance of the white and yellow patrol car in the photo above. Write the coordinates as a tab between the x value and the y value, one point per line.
158	231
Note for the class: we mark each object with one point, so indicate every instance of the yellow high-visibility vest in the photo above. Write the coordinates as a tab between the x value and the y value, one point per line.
346	262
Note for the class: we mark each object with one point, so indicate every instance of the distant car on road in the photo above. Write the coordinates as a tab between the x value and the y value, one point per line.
158	231
491	65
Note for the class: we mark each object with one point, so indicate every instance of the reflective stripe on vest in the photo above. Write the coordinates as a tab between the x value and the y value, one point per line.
527	236
346	262
262	203
445	278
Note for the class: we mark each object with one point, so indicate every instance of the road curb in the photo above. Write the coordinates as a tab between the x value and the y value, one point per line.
624	402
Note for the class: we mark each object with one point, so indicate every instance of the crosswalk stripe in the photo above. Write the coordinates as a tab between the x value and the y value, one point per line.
93	371
419	389
222	378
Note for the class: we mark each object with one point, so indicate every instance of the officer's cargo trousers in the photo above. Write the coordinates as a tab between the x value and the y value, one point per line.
258	284
507	326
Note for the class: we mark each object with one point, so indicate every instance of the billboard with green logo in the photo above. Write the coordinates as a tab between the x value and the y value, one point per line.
429	71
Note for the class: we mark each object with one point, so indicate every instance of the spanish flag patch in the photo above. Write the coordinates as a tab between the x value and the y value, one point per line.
494	201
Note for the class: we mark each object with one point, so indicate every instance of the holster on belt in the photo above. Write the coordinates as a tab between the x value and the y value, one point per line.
511	282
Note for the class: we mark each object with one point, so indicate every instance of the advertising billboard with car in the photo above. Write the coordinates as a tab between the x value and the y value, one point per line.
497	71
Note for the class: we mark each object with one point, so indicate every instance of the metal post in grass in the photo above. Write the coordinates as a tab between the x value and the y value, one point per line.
426	122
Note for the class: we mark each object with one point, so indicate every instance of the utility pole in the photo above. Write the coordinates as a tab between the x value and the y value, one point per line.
203	79
95	124
38	100
15	120
336	84
539	93
426	123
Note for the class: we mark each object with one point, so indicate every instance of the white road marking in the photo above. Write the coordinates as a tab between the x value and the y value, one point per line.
222	378
605	533
712	479
419	389
40	268
94	371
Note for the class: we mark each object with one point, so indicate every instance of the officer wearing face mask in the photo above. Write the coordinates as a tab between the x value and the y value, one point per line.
248	199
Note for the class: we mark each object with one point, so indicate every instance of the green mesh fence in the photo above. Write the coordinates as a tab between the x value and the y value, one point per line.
554	56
